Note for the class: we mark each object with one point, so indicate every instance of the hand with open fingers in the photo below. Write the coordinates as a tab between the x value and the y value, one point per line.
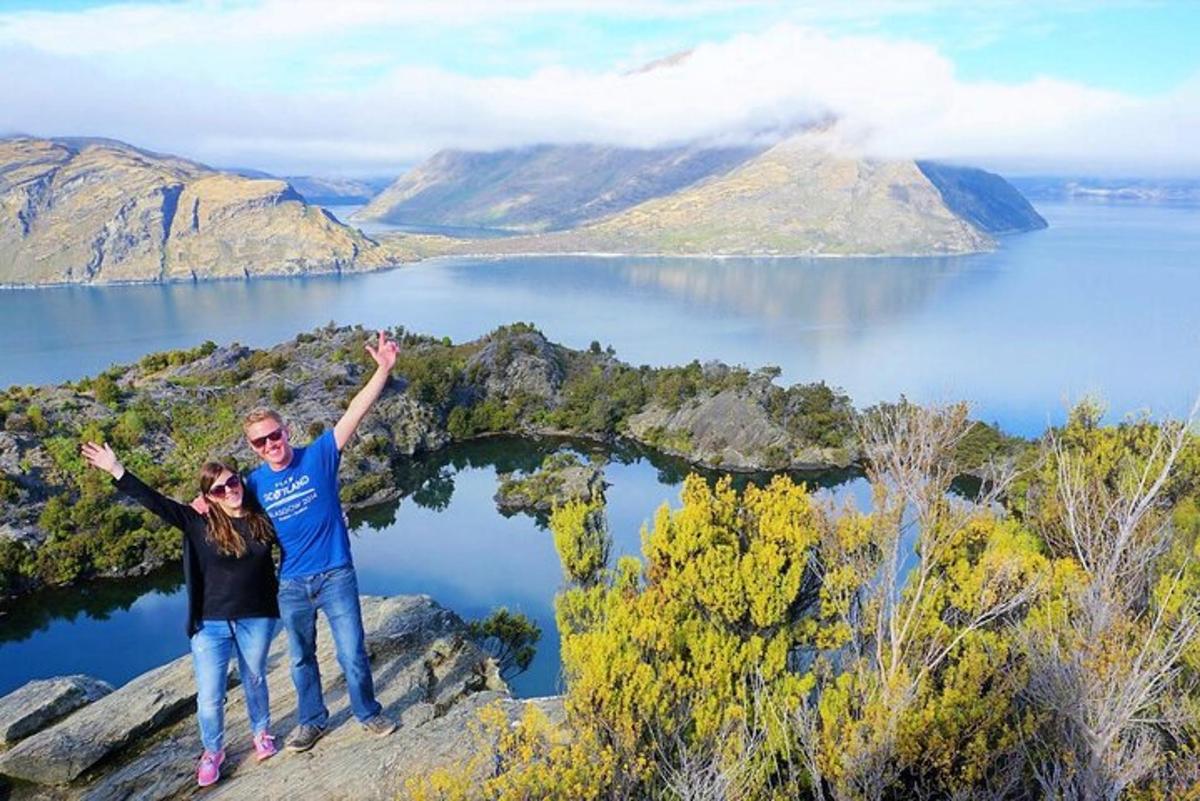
199	505
384	351
102	458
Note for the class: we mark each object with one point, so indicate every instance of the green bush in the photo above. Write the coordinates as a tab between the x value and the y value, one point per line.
37	419
815	413
16	564
9	491
510	638
376	446
174	358
106	389
364	487
599	400
280	395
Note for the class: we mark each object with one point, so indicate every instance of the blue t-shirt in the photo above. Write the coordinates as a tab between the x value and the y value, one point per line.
302	501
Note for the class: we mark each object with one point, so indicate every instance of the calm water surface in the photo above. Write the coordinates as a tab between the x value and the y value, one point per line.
1102	303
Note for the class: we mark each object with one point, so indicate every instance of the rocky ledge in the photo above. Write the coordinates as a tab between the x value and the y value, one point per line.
141	741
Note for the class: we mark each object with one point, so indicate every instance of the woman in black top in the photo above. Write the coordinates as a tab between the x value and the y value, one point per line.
232	591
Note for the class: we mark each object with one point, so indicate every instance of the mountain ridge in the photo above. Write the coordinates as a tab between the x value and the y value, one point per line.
805	195
90	210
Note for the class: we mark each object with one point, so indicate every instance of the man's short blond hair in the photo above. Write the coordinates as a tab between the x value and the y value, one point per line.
258	415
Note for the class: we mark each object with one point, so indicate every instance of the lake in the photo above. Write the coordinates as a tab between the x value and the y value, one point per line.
1102	302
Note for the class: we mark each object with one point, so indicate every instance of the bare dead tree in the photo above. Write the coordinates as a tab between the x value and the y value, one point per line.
911	460
1106	679
693	771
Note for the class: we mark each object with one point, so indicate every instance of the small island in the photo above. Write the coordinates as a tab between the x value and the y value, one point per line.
561	478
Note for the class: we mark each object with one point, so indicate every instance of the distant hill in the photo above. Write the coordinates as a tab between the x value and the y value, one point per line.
984	199
797	197
337	191
1138	190
542	188
99	211
801	198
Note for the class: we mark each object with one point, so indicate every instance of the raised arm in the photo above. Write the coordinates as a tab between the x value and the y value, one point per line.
171	512
384	353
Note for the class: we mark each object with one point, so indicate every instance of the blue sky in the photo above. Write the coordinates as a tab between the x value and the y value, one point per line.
522	70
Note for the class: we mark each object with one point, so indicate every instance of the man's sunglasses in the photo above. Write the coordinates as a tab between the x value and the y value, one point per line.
274	436
231	483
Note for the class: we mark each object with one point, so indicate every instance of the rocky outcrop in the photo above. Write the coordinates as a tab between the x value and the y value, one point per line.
734	429
33	706
522	364
99	211
62	752
561	478
428	676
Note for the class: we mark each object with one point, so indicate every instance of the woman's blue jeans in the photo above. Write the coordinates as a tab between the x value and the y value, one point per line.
212	647
334	592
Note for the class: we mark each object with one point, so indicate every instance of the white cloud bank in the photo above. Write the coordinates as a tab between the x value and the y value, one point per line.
153	77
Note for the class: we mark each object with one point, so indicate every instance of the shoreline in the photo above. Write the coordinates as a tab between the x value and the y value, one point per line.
494	257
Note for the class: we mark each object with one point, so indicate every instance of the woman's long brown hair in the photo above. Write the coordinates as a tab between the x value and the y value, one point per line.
221	532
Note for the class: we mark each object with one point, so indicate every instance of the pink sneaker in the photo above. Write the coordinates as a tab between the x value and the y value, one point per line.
209	769
264	746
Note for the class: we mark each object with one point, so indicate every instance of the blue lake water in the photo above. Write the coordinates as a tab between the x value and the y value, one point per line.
1103	302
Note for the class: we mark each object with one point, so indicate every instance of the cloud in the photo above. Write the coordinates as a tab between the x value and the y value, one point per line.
136	73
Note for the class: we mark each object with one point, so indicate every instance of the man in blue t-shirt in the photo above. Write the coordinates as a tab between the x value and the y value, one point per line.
298	488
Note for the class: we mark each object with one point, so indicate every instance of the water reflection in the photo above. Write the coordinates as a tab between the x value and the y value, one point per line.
821	294
97	600
444	537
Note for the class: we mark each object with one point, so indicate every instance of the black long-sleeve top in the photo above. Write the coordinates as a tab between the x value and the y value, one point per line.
219	586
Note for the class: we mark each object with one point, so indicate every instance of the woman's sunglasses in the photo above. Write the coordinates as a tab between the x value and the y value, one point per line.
274	436
231	483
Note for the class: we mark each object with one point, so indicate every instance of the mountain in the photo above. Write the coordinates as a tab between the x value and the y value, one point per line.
804	197
984	199
101	211
542	188
337	191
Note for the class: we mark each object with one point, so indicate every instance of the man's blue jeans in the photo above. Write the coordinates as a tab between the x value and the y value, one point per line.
212	647
334	592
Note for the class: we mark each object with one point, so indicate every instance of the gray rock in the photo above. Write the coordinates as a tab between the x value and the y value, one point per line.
428	677
64	751
731	430
10	453
32	707
29	535
728	429
518	365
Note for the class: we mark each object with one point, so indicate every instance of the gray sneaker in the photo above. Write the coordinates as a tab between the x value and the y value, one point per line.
304	738
379	725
